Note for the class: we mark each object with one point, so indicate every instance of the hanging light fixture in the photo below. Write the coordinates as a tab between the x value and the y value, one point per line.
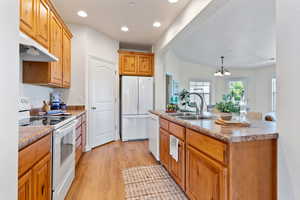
222	72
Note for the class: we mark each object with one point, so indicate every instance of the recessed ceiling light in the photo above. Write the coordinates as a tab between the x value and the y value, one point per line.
156	24
173	1
132	3
124	28
82	13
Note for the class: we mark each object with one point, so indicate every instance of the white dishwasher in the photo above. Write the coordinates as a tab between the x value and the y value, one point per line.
153	134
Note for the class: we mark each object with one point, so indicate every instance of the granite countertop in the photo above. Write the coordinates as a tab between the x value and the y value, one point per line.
30	134
258	130
77	113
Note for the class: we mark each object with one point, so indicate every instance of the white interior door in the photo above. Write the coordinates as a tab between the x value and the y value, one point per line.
102	96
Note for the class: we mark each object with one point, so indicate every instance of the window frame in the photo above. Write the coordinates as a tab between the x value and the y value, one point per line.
210	88
242	79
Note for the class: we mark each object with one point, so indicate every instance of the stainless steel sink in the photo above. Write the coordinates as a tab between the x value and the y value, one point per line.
195	117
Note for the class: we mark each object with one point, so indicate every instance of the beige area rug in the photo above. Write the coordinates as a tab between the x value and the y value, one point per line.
150	183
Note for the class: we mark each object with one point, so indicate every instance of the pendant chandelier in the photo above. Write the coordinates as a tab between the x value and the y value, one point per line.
222	72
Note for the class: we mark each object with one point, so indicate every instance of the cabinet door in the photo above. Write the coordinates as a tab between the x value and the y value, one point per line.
66	60
164	148
205	178
56	49
42	179
27	17
25	187
128	64
145	65
177	169
83	135
42	23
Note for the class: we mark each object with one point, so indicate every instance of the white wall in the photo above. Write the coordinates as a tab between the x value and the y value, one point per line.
35	94
88	42
259	80
288	70
9	79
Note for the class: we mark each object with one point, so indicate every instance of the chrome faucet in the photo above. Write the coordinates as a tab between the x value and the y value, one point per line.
199	109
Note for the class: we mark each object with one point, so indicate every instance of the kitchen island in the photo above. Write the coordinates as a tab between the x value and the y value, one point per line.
220	163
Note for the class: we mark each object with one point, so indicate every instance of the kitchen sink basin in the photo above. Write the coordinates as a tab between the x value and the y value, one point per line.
195	117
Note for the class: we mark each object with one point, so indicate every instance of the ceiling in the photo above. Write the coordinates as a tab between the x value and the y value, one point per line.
241	30
108	16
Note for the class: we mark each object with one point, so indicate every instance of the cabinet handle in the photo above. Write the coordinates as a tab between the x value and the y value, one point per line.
43	189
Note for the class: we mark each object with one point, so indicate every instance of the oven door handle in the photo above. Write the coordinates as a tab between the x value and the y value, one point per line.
65	129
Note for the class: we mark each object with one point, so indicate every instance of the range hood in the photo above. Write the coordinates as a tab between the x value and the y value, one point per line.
30	50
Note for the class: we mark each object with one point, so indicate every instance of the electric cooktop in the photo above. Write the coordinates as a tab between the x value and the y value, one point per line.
43	120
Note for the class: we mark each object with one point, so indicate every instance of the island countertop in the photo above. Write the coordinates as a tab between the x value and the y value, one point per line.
258	130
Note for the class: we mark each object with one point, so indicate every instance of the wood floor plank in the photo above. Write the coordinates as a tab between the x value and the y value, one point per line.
99	173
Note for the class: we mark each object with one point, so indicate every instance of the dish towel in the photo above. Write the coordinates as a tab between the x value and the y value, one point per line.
174	143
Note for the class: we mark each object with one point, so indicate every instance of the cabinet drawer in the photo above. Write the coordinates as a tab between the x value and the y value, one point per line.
214	148
78	153
78	141
78	132
83	118
164	124
79	122
33	153
177	131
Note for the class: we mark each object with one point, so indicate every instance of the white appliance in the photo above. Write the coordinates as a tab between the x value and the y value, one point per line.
30	50
137	100
63	159
153	134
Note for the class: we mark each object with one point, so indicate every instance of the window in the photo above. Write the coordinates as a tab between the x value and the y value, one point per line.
237	89
201	87
274	94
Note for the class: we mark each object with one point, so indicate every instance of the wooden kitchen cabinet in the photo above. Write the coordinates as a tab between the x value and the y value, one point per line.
164	149
56	49
25	188
28	17
177	168
80	137
40	20
42	23
136	63
42	179
35	170
205	178
66	57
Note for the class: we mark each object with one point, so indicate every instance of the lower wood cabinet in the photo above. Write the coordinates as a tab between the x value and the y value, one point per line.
42	179
164	149
25	188
205	178
177	168
35	171
80	137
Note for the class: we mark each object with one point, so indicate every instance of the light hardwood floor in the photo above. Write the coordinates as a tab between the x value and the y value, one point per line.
99	173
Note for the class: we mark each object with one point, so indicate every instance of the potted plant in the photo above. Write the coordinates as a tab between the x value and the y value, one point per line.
227	106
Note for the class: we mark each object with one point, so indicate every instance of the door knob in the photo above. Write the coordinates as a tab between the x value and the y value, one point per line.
93	108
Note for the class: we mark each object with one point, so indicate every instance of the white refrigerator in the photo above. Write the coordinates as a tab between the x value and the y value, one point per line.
136	101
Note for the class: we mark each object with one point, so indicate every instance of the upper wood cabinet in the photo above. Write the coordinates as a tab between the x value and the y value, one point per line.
28	17
42	23
205	178
40	20
56	47
136	63
66	55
